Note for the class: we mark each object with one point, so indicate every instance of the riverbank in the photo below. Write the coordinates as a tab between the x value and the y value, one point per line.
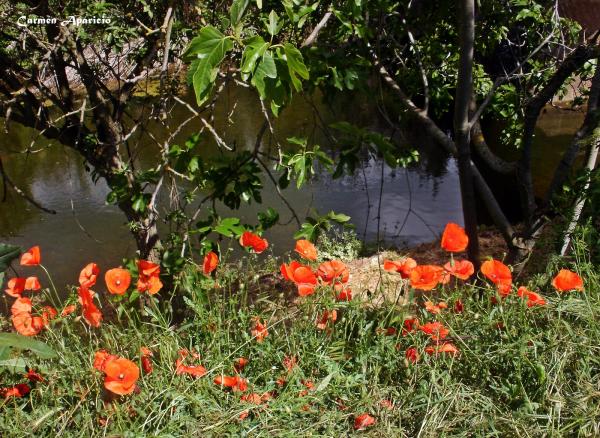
483	365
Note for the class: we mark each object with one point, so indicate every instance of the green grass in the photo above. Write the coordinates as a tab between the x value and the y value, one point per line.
537	376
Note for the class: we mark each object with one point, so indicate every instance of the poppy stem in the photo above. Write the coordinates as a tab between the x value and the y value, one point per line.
51	284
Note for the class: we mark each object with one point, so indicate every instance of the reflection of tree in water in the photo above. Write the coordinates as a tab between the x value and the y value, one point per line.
45	171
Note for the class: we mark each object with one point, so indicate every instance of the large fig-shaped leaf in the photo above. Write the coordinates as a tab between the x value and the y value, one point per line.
7	254
20	342
206	51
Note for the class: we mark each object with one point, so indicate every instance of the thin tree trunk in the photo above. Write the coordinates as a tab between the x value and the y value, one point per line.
462	129
589	167
589	124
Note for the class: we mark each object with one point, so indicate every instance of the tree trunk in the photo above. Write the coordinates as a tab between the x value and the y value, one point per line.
589	124
461	125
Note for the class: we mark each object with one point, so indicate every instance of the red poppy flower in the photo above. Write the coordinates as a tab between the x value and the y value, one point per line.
446	347
21	305
402	266
252	398
434	309
410	325
426	277
68	310
325	318
27	325
24	323
309	385
289	362
240	363
152	284
121	376
101	357
389	331
461	269
89	275
32	283
259	330
146	360
333	271
499	274
32	257
458	306
117	280
210	263
15	287
236	383
48	313
302	275
343	293
251	240
533	299
34	376
567	280
91	313
454	238
363	421
306	249
412	355
435	330
192	370
147	268
149	277
18	391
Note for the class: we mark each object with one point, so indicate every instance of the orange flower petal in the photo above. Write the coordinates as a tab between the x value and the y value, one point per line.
210	263
333	271
91	313
117	280
363	421
89	275
306	249
403	266
461	269
497	272
121	376
32	283
567	280
454	238
426	277
32	257
15	287
251	240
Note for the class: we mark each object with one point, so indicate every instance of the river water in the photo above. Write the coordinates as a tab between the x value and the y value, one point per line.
415	205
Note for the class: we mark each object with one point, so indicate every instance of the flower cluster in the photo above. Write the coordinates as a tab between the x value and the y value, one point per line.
121	374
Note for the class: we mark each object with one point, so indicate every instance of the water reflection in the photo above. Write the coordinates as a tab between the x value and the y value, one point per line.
415	203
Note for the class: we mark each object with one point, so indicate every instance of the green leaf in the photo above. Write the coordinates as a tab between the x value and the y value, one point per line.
15	365
325	382
295	65
206	51
338	217
237	11
7	254
300	141
229	227
21	342
266	69
255	49
273	26
139	203
268	219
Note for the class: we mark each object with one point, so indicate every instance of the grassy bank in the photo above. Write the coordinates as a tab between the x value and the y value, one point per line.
519	370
